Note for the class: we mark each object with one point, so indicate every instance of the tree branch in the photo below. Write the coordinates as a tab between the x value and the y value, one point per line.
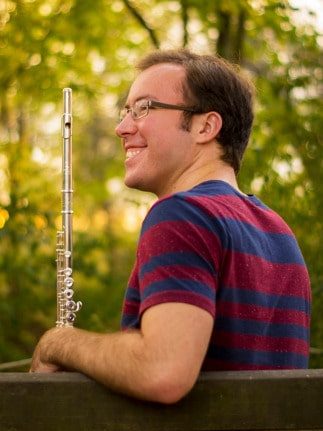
184	13
239	38
143	23
223	43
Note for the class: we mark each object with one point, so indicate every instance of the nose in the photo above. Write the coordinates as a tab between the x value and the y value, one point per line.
127	126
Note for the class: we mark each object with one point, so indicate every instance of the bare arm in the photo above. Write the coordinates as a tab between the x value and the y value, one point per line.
161	362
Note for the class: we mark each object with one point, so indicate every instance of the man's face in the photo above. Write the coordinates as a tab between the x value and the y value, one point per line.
158	150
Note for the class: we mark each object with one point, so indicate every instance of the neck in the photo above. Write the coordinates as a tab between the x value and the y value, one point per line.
214	170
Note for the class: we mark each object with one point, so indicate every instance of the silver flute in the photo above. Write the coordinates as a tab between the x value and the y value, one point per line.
66	306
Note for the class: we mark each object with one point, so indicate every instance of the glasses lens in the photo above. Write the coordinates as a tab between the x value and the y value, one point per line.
139	110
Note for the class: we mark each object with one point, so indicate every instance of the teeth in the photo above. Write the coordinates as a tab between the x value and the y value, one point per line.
132	153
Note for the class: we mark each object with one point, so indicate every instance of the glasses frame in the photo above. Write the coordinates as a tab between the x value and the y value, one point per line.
153	104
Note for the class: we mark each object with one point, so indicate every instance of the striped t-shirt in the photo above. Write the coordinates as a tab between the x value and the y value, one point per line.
237	259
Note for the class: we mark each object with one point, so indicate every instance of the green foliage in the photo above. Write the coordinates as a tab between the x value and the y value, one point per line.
46	45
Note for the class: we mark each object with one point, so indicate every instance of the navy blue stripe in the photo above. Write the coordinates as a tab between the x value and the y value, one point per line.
254	327
274	247
260	358
173	283
234	235
129	321
132	294
220	188
252	297
173	209
211	188
176	258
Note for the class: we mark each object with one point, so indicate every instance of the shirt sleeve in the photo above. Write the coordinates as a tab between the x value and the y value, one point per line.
178	256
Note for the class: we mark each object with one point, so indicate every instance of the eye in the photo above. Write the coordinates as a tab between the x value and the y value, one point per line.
140	109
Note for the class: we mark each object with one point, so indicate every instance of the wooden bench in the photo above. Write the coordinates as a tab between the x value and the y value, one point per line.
257	400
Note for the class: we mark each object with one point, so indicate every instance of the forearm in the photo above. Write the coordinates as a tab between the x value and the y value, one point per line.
161	362
119	361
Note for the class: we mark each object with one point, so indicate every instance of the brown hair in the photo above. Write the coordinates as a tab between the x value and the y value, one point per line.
213	84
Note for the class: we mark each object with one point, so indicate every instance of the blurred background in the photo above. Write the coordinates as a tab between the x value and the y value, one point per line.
91	46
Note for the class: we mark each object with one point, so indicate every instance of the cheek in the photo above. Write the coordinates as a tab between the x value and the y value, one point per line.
167	142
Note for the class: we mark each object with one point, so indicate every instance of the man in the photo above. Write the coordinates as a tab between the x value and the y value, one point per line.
219	281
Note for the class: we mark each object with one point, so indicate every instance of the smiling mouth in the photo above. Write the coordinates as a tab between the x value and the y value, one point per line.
132	153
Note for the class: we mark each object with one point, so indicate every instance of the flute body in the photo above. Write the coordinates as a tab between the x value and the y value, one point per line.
66	306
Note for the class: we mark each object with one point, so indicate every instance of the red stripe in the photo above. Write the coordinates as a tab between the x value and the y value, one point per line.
180	272
261	313
236	208
241	270
178	296
260	342
179	236
131	307
133	279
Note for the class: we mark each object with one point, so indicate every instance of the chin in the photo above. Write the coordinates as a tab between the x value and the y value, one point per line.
139	184
134	183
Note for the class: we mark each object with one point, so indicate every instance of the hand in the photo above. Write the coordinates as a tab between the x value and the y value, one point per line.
43	357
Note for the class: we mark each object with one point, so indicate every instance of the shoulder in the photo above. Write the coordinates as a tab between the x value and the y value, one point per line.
176	208
201	207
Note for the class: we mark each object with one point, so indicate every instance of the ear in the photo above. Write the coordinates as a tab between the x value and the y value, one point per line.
208	126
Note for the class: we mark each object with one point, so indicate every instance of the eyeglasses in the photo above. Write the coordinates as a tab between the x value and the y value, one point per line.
141	108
